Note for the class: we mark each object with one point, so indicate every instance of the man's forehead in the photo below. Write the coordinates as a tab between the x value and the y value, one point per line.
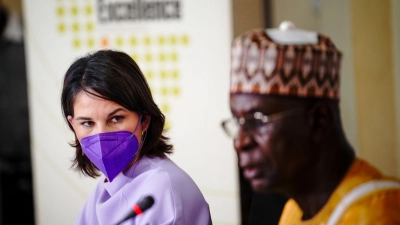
244	103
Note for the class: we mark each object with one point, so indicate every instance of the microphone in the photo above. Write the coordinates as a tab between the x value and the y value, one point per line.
137	209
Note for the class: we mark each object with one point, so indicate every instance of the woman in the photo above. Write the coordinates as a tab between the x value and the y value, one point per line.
118	131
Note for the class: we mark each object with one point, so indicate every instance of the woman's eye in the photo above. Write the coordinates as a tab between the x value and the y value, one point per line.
117	119
87	123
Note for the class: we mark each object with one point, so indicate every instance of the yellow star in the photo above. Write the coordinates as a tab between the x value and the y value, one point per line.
89	26
165	108
176	91
148	57
76	43
74	10
89	10
173	40
164	91
175	74
120	41
174	57
162	57
147	41
61	27
185	39
149	75
60	11
133	41
164	74
90	42
75	27
161	40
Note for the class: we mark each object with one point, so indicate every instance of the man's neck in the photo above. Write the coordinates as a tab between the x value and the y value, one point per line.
318	186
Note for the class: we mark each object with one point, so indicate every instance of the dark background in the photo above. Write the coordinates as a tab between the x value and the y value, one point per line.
15	160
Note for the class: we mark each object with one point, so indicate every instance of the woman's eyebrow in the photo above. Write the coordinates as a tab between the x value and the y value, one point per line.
83	118
115	111
109	115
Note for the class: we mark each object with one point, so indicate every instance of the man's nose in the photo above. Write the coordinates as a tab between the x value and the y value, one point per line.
244	140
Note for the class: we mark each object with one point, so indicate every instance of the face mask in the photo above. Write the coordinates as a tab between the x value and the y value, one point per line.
111	152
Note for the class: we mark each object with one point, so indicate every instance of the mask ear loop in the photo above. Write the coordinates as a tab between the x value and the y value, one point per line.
144	135
137	125
83	153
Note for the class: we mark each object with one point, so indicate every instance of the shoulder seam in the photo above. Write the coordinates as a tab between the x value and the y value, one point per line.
357	193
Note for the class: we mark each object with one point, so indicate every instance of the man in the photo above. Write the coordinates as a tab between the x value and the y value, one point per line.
288	135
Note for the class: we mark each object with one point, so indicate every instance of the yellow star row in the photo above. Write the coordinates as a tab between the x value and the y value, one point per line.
74	11
161	40
132	41
148	57
77	43
164	74
75	27
165	91
162	57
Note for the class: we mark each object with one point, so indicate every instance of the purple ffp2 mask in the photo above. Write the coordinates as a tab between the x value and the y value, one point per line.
110	152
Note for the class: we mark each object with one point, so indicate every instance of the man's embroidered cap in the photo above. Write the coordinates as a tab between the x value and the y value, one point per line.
285	61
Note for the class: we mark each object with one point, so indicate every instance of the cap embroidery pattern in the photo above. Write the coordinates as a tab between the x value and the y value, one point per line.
261	66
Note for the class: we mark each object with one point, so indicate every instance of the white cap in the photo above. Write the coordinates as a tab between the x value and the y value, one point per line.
288	33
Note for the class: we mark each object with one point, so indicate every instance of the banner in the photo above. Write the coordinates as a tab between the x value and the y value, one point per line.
182	47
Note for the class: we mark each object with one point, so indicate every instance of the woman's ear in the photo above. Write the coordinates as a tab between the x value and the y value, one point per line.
69	118
145	122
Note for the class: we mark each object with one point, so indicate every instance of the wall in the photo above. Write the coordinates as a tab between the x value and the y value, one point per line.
246	15
374	77
396	58
14	5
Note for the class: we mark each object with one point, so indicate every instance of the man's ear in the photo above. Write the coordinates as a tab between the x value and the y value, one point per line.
145	122
321	120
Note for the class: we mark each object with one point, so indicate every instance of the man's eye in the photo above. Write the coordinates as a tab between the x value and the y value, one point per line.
253	123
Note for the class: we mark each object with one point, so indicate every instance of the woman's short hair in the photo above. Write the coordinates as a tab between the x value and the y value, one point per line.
113	76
